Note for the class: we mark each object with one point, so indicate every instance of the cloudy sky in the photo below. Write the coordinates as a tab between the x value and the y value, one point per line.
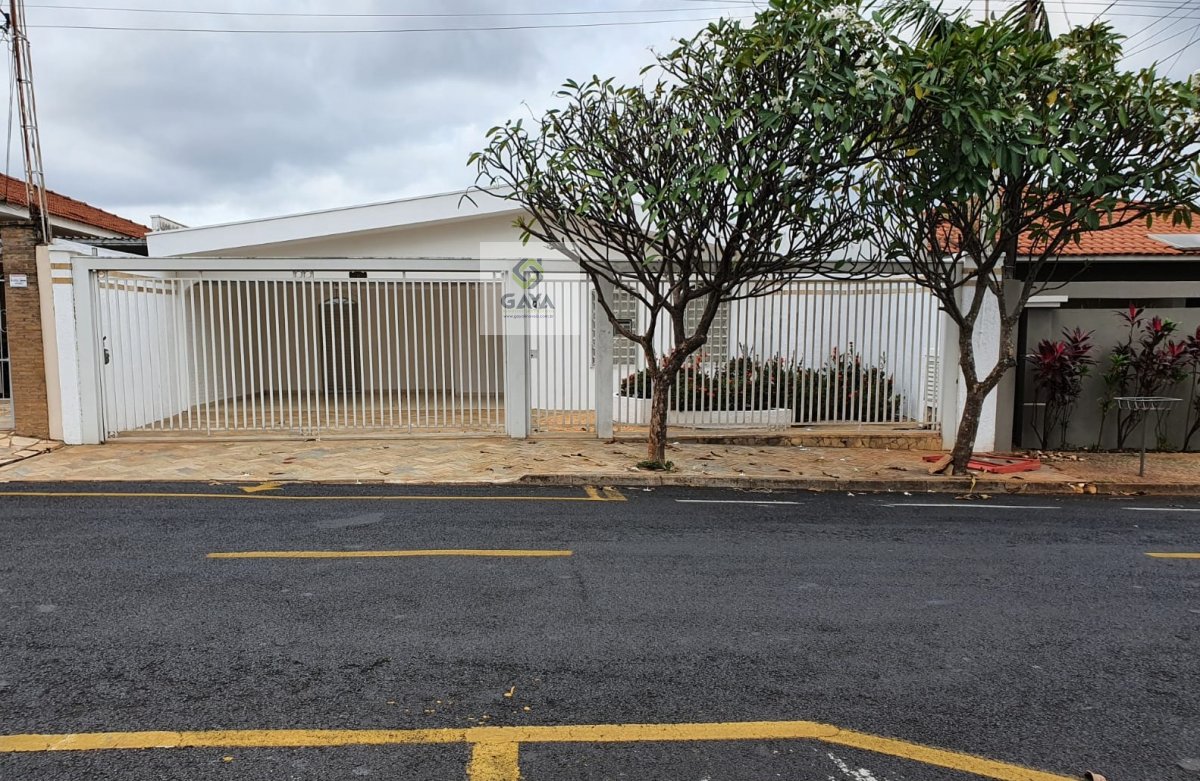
208	127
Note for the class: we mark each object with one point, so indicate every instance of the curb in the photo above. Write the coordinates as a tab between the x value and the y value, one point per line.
949	485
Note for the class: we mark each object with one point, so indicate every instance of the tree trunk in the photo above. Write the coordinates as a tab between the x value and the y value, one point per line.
968	428
656	444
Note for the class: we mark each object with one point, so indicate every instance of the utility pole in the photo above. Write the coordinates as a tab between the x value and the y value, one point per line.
35	180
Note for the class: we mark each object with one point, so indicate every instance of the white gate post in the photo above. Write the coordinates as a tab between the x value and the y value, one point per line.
89	355
950	403
602	335
517	415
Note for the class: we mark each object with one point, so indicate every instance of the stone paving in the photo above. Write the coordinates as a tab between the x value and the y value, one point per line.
14	448
500	460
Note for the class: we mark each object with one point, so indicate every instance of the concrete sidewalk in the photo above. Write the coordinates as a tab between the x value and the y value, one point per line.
588	462
15	448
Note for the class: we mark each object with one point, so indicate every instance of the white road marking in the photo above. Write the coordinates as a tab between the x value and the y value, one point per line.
730	501
1164	509
861	774
979	506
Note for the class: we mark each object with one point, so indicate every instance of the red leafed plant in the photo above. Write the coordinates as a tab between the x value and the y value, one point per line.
1058	371
1147	363
1192	350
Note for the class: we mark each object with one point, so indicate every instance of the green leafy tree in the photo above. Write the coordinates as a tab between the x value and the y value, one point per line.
729	171
1019	142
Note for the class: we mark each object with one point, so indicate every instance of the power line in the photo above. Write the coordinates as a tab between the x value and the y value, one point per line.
1142	30
1148	45
1179	53
342	15
386	30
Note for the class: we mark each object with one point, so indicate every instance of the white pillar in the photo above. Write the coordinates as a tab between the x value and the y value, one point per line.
517	422
89	352
602	333
951	381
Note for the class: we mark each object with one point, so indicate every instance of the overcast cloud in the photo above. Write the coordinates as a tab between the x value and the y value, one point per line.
209	128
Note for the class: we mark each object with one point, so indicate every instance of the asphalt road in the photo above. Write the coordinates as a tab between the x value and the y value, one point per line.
1032	631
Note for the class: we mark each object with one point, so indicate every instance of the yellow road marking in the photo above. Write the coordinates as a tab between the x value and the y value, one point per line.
495	749
607	497
592	492
1174	555
494	762
383	554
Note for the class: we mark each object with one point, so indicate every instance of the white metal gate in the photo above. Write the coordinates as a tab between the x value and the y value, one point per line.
311	348
309	353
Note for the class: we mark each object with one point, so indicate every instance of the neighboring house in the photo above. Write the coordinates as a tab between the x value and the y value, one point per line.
1155	266
23	375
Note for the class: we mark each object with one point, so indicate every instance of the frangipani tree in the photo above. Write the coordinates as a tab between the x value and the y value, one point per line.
1017	143
730	170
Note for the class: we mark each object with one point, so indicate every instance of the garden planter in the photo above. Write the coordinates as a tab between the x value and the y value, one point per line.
636	412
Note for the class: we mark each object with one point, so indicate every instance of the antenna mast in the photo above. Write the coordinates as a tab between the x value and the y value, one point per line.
35	180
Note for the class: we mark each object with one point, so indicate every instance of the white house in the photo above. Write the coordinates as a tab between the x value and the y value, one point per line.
389	319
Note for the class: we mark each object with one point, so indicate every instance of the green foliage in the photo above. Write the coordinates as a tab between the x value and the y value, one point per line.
1008	143
731	168
842	388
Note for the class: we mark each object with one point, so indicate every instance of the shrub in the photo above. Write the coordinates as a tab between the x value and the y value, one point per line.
1145	364
1058	371
1192	424
844	387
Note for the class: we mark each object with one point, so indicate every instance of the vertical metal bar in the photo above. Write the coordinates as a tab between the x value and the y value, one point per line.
207	354
454	327
190	333
221	355
168	353
150	337
238	300
360	373
137	398
301	388
383	342
421	326
143	338
404	359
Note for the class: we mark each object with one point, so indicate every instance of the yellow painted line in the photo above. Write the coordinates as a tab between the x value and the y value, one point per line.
495	749
494	762
953	760
613	495
384	554
1174	555
592	491
268	498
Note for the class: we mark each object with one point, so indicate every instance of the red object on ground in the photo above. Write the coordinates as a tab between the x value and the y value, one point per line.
998	465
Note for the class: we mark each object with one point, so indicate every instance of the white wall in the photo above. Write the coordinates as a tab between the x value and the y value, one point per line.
455	239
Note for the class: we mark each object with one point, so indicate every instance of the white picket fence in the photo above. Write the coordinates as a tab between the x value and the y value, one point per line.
382	347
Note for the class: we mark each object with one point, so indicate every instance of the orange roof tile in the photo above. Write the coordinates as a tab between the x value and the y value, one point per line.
1131	239
71	209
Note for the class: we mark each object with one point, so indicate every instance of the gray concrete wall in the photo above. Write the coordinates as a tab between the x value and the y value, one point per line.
1109	329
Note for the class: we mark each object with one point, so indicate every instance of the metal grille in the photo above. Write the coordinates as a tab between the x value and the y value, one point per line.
820	351
561	375
305	353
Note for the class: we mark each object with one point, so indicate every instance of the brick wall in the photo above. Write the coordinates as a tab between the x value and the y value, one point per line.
24	314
